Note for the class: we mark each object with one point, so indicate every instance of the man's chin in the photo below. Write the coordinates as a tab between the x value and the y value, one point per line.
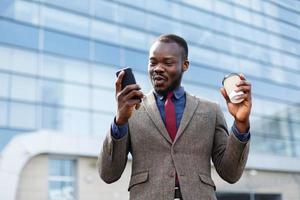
161	91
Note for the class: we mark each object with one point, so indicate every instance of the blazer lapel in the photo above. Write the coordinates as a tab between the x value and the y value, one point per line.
150	105
189	110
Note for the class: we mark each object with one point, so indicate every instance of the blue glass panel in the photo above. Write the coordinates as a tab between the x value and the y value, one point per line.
107	54
17	34
76	5
51	118
135	59
66	45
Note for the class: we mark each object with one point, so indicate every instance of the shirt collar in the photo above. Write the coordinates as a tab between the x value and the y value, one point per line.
178	93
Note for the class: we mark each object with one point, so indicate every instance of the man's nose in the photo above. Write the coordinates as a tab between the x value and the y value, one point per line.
159	68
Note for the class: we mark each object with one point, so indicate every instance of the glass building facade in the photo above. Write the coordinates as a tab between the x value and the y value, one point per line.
58	61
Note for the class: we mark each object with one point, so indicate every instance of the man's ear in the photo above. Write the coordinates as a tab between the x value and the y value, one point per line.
186	64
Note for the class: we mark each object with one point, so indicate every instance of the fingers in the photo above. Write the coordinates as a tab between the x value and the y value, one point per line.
119	82
223	92
244	86
136	94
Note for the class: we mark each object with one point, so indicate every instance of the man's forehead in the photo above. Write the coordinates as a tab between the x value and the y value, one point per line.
171	48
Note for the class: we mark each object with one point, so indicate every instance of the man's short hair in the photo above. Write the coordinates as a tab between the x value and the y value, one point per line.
168	38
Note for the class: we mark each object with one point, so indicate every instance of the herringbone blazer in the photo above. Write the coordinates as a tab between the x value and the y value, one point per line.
202	136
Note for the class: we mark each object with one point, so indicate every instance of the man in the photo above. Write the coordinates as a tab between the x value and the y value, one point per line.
172	135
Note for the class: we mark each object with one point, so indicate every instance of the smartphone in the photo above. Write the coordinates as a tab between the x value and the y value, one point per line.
128	78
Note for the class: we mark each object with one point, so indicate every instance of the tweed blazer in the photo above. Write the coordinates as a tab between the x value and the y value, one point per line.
201	136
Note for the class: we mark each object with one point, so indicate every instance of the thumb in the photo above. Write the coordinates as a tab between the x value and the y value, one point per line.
119	81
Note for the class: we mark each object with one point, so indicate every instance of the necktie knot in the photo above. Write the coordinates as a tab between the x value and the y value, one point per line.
170	95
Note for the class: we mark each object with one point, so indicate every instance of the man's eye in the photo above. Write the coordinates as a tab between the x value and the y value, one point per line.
152	63
168	63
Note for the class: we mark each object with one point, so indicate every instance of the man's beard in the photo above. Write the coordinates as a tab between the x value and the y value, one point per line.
176	83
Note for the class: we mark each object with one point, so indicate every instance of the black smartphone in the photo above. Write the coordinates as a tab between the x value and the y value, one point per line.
128	78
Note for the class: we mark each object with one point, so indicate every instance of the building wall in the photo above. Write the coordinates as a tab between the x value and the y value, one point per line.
33	182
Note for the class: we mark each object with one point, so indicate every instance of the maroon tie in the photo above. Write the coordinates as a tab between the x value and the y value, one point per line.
171	122
170	116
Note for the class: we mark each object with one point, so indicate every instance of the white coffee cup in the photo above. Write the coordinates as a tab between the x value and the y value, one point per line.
229	82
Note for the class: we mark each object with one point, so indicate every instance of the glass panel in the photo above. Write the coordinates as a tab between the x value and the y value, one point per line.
76	5
133	17
17	34
105	31
66	45
104	76
50	92
52	67
135	59
107	54
51	118
3	113
4	85
6	55
27	12
132	38
62	179
62	20
7	8
17	119
59	190
106	10
102	123
104	100
76	122
76	71
24	62
76	96
23	88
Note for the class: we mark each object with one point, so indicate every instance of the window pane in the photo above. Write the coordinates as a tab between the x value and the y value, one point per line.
103	76
23	88
52	67
4	85
66	45
104	100
76	122
27	12
105	31
51	118
17	34
62	20
24	62
76	96
106	10
135	59
76	71
76	5
3	113
62	179
107	54
132	38
101	123
17	119
59	190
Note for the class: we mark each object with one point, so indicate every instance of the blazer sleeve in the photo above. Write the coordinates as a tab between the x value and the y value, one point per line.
113	157
229	154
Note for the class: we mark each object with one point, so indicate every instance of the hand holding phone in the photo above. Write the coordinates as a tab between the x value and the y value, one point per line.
128	95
